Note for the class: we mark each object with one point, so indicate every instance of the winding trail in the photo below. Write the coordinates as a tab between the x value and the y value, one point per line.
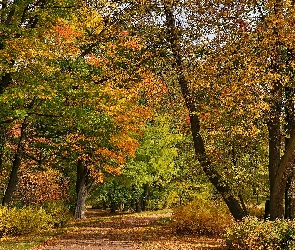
101	231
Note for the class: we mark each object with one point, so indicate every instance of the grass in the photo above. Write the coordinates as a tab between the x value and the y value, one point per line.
28	241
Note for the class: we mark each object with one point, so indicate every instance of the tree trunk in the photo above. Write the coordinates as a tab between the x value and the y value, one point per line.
13	178
145	196
137	198
290	125
104	205
290	198
212	174
6	80
274	144
81	190
137	205
113	207
2	147
279	167
280	180
290	195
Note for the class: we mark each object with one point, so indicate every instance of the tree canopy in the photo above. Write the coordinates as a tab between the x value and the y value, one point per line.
121	93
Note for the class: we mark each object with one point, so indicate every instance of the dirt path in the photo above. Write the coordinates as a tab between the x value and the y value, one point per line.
120	232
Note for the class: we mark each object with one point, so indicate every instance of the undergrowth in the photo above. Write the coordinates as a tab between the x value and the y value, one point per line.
252	233
202	217
20	221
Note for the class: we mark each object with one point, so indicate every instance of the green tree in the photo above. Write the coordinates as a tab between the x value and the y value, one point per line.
148	177
25	71
68	97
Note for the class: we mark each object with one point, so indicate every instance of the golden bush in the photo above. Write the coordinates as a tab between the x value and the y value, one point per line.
202	217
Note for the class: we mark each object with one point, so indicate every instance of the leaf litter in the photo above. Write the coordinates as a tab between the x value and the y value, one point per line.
144	231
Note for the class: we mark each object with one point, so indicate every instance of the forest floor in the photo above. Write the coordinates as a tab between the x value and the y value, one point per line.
148	230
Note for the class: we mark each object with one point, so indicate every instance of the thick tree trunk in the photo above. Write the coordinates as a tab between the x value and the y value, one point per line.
13	178
279	183
290	125
274	131
212	174
81	190
290	198
279	167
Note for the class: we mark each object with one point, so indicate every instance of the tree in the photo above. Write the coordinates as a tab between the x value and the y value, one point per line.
27	70
154	164
177	39
66	96
260	47
228	43
147	178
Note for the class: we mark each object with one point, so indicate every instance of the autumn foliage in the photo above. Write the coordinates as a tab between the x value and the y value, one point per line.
201	218
138	102
37	188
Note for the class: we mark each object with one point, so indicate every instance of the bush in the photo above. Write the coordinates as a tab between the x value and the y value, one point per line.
257	211
59	212
14	221
253	233
202	217
19	221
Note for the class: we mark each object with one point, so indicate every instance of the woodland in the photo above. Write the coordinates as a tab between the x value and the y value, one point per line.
130	106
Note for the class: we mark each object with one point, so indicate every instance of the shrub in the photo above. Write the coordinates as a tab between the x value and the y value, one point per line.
257	211
202	217
14	221
59	212
253	233
19	221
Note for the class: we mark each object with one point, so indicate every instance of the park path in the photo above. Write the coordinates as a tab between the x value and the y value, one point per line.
101	231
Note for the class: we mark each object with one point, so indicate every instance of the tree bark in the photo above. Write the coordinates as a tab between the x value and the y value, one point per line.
137	199
137	205
290	197
279	166
274	144
279	184
290	125
13	178
113	206
212	174
81	190
6	80
2	147
145	196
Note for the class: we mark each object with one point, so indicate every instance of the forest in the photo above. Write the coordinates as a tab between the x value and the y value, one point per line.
131	106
